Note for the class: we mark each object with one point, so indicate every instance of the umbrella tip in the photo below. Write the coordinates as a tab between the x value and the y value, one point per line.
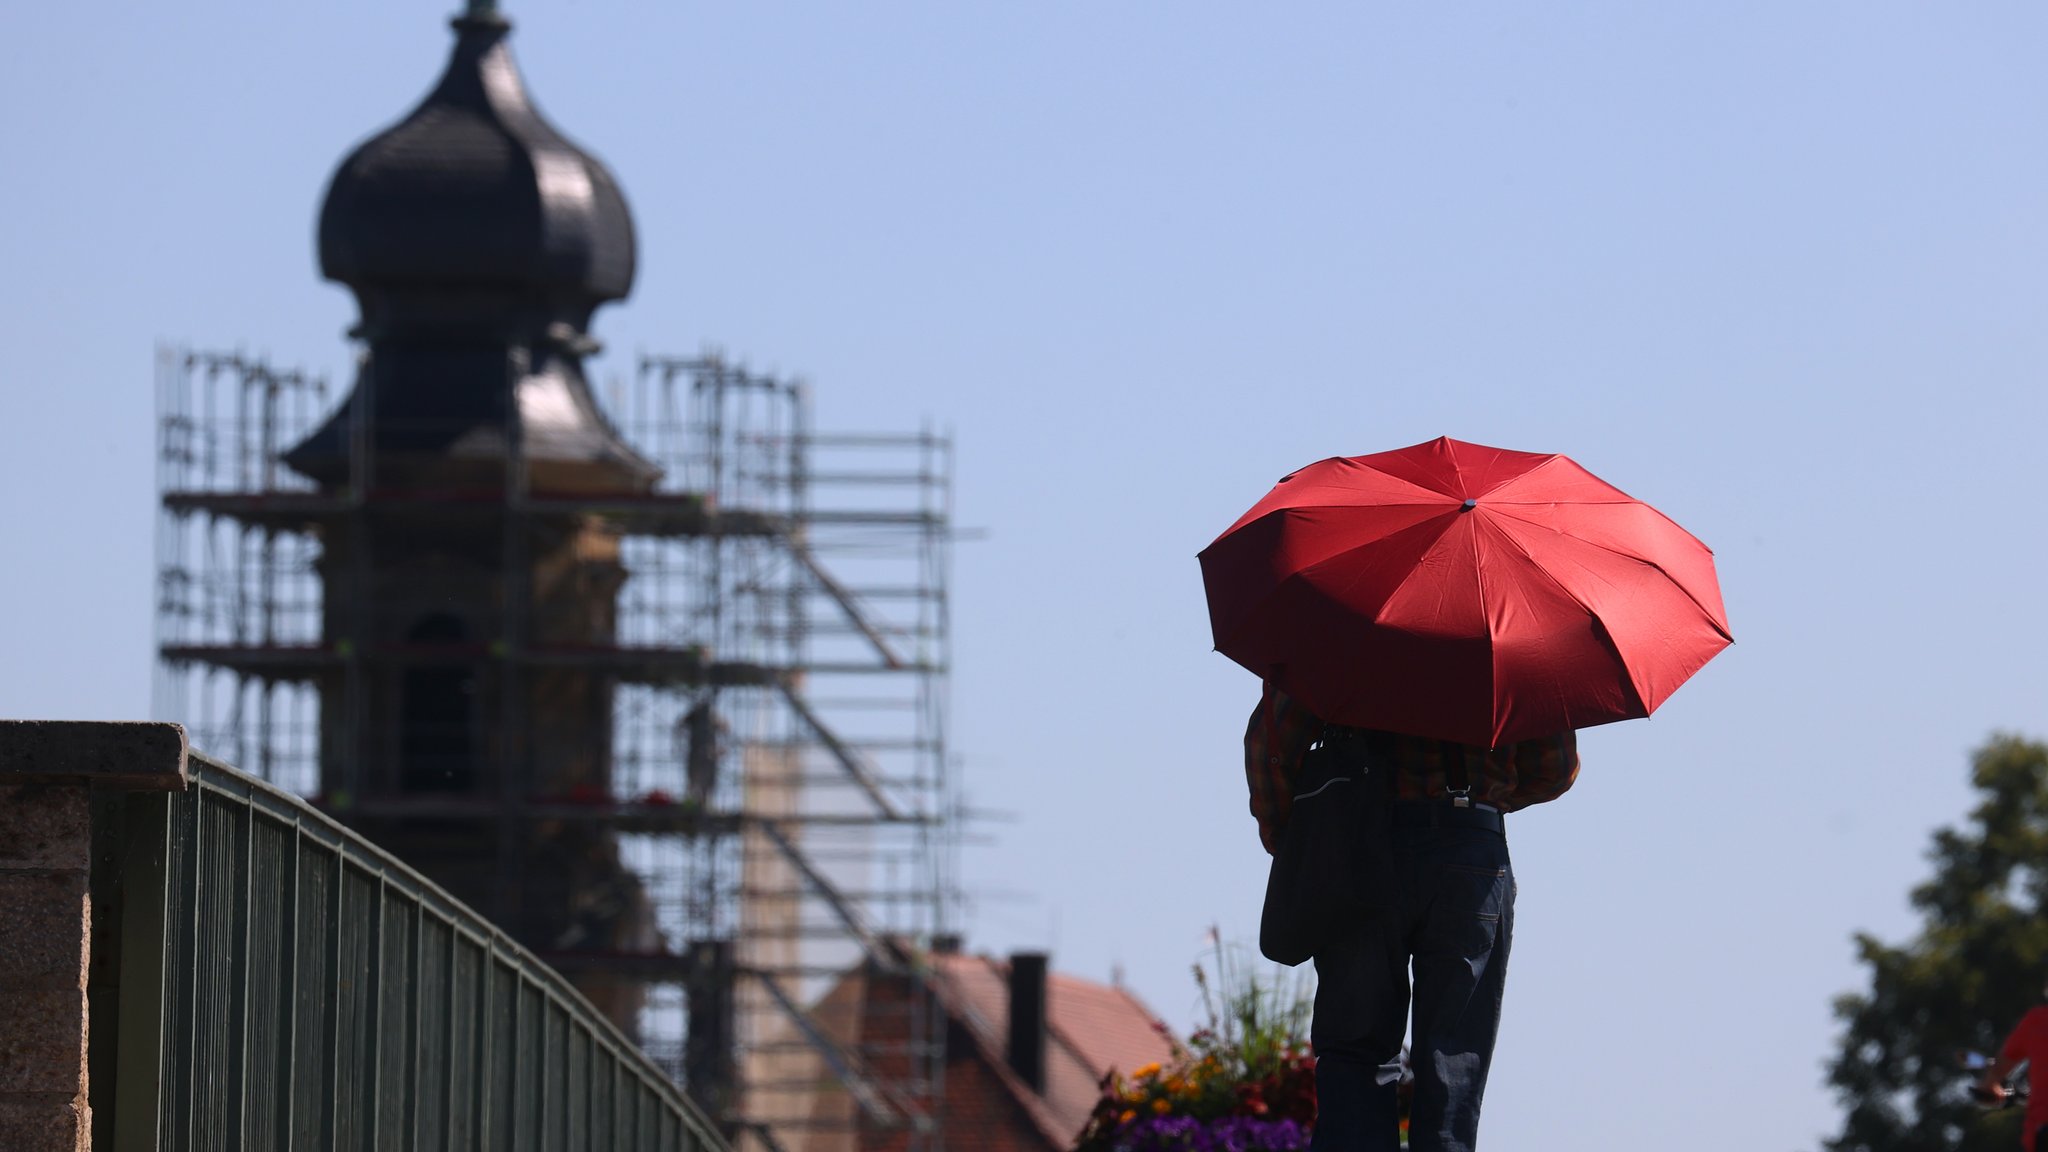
1469	505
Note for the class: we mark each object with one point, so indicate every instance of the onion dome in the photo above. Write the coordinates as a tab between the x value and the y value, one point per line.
478	240
475	190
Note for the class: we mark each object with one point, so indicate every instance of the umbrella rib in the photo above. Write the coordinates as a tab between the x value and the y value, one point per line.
1501	508
1555	582
1282	510
1451	451
1605	637
1437	503
1479	575
1379	615
1360	462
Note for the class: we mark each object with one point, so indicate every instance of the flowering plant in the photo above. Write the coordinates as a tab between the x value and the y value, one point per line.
1245	1082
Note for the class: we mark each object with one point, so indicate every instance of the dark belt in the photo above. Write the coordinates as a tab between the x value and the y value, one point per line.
1444	814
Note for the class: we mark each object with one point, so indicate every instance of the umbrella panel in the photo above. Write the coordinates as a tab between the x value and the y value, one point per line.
1661	633
1322	546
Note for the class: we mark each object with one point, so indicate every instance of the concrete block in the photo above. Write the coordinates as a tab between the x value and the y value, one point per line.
47	919
42	1049
45	1122
45	826
140	756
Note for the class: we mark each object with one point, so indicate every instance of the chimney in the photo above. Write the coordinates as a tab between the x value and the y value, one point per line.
1027	1018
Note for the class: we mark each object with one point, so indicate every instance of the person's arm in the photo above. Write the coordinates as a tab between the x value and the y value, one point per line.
2017	1047
1544	769
1993	1084
1278	735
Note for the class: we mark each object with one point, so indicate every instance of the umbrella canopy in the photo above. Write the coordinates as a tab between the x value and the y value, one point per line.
1463	592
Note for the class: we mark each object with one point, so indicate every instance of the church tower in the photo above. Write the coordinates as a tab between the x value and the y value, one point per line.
478	241
667	699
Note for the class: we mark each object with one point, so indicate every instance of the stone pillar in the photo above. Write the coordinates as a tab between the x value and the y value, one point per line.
49	773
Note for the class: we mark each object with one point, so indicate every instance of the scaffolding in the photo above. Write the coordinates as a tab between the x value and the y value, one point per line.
776	780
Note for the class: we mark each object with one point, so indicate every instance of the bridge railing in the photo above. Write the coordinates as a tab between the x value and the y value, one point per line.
283	983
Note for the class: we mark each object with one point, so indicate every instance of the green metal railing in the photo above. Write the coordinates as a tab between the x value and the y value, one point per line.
285	984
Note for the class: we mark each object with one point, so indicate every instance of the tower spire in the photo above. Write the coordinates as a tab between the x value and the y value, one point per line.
482	12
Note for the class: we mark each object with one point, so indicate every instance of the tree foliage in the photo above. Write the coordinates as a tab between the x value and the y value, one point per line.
1979	962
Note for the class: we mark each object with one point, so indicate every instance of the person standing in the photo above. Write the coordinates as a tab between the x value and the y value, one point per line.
1451	918
700	733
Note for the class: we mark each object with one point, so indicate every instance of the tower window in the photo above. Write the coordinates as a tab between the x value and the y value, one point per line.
436	713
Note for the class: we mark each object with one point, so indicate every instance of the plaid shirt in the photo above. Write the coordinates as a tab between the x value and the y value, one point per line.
1508	778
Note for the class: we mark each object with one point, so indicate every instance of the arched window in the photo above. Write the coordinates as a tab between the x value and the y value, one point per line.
436	713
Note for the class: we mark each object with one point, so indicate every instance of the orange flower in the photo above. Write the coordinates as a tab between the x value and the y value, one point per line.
1146	1070
1161	1107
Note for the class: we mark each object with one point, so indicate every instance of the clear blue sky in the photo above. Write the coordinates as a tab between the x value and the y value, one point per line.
1777	268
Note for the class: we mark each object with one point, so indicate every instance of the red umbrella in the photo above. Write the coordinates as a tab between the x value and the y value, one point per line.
1463	592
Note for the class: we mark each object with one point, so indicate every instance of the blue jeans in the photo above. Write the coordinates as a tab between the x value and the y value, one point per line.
1452	917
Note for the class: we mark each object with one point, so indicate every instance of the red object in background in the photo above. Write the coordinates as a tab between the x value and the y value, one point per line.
1462	592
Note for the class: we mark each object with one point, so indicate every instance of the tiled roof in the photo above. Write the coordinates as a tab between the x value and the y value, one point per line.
1091	1028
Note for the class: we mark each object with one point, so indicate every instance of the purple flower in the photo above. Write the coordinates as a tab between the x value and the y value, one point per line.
1229	1134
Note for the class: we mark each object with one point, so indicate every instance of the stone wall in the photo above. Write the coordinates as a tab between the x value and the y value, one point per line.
50	773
